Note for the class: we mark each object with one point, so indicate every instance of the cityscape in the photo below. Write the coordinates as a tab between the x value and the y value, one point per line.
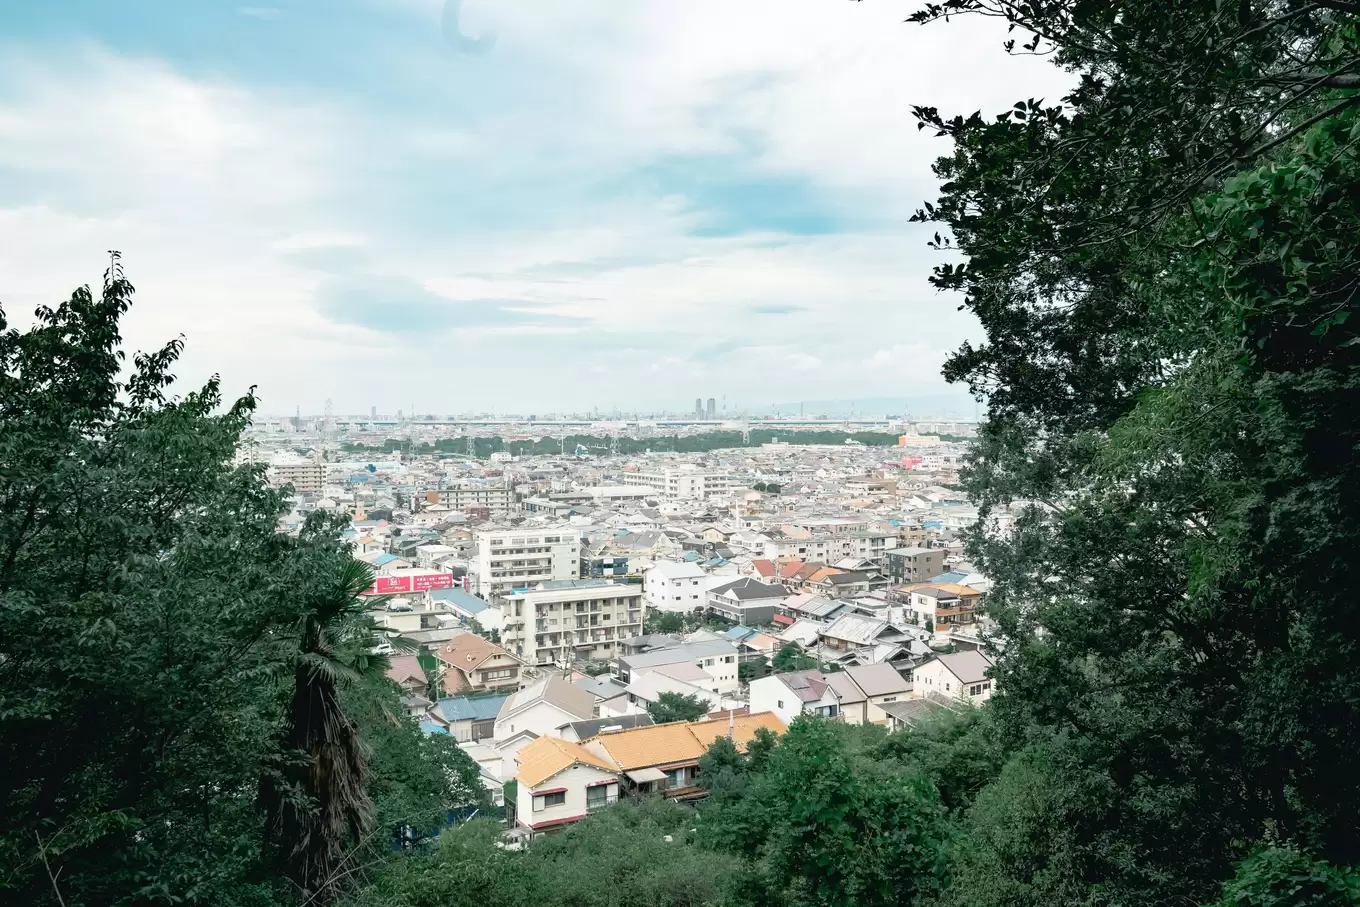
586	453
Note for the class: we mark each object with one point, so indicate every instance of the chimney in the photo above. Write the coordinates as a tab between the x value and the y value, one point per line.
731	725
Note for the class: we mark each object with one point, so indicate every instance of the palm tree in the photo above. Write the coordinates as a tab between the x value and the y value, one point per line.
316	795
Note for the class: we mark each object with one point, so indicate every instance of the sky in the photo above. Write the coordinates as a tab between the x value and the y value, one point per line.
499	205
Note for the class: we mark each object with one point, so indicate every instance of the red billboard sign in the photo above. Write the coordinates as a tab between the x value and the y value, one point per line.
420	582
431	581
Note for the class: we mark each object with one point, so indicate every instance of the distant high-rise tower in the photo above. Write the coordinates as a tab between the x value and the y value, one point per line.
373	412
712	409
698	407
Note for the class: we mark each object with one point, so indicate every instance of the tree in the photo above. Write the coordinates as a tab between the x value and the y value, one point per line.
790	657
665	622
1282	877
677	707
140	577
823	823
319	808
1163	265
748	671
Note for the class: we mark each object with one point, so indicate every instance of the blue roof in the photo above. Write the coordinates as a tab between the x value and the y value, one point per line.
478	708
738	633
384	558
953	577
431	727
691	556
460	597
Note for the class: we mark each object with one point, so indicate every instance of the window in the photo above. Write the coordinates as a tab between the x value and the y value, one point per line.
889	699
675	778
597	796
974	689
779	704
728	659
498	675
548	801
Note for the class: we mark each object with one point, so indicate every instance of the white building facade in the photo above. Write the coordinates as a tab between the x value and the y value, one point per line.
510	559
559	622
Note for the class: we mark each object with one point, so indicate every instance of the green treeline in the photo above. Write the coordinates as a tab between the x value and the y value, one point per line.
597	445
1164	264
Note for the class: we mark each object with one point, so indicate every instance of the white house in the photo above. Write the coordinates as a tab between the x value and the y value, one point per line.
793	694
962	675
544	706
670	586
855	695
559	783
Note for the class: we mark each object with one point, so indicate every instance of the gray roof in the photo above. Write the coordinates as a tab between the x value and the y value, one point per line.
465	600
747	588
688	652
911	711
602	688
847	691
592	726
856	628
572	699
968	667
471	708
910	551
880	679
843	579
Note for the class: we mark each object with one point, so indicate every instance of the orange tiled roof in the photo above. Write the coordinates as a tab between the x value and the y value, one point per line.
678	741
546	756
743	730
956	589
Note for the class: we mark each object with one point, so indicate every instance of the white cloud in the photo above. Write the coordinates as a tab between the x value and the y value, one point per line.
236	204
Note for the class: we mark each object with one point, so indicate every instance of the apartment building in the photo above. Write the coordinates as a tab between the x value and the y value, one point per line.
915	564
497	498
828	549
557	621
686	482
306	476
510	559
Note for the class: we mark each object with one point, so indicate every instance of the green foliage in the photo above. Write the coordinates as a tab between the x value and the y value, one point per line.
677	707
154	630
1164	263
1280	877
748	671
823	822
790	657
617	858
664	622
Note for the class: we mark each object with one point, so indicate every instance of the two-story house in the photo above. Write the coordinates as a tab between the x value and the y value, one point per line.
560	782
746	601
962	675
472	664
664	758
944	606
670	586
717	658
855	695
544	706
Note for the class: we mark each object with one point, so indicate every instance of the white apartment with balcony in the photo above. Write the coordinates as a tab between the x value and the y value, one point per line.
510	559
672	586
496	497
687	482
306	476
556	622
